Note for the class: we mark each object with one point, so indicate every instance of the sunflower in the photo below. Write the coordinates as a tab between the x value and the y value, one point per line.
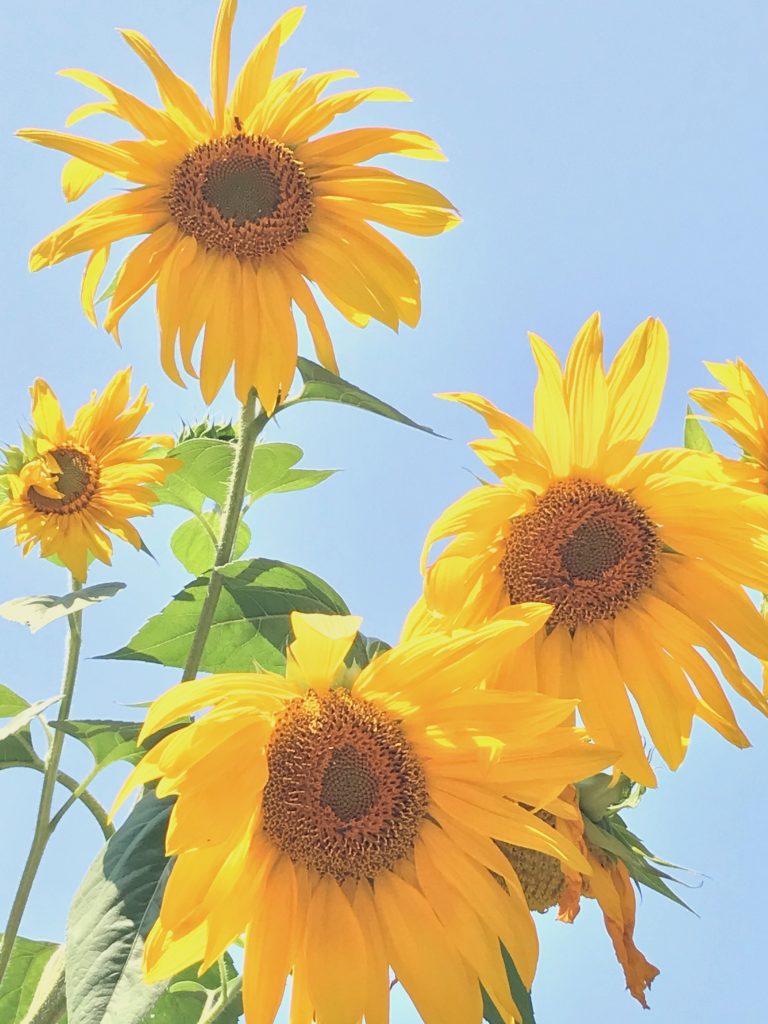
644	557
69	487
242	206
741	410
339	825
549	883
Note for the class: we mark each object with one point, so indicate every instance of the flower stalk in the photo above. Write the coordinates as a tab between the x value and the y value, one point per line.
249	428
43	829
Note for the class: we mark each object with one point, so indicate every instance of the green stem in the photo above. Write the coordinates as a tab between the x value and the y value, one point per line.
235	987
79	791
249	428
42	833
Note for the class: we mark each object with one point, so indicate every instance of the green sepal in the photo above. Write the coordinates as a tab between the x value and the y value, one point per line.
600	801
694	435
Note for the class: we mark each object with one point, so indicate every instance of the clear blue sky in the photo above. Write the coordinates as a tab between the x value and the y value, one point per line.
605	155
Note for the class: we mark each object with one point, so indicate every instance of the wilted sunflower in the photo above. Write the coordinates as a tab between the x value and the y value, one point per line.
242	207
68	488
644	557
741	409
549	883
355	826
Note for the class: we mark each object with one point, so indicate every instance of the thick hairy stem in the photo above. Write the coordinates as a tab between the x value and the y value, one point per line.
249	429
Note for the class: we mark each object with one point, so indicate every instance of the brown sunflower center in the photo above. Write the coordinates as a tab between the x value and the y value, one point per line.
585	548
540	875
76	481
245	195
346	795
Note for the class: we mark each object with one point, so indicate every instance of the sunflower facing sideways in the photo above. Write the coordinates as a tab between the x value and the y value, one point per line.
347	829
548	883
68	488
740	408
644	558
242	206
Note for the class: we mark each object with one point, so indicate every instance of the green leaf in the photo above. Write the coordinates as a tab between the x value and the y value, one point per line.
183	1002
20	721
107	740
299	480
28	960
323	386
16	749
520	994
251	625
269	464
694	435
10	703
194	546
272	471
204	473
110	918
38	611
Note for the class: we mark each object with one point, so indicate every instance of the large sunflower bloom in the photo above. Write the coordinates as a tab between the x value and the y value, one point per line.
644	557
242	207
356	826
73	486
740	408
549	883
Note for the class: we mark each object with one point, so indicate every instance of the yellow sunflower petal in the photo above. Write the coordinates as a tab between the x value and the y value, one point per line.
320	644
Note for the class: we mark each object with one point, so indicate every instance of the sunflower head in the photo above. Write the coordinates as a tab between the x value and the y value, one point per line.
69	487
740	408
643	557
337	824
245	205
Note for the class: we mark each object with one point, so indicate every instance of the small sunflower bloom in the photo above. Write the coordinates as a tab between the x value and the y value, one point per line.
549	883
644	557
740	408
242	205
338	825
70	487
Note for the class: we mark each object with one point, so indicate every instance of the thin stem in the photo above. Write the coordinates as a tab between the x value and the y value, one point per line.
79	791
42	834
235	987
223	978
250	427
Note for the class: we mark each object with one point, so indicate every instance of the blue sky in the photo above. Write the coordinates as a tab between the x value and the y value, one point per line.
605	155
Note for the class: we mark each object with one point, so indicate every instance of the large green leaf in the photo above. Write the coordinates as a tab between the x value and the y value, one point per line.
204	473
251	625
694	435
323	386
28	960
194	542
38	611
183	1001
110	917
272	471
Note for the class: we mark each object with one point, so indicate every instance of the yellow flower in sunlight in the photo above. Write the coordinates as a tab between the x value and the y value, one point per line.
644	557
73	486
741	409
242	207
347	830
548	883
